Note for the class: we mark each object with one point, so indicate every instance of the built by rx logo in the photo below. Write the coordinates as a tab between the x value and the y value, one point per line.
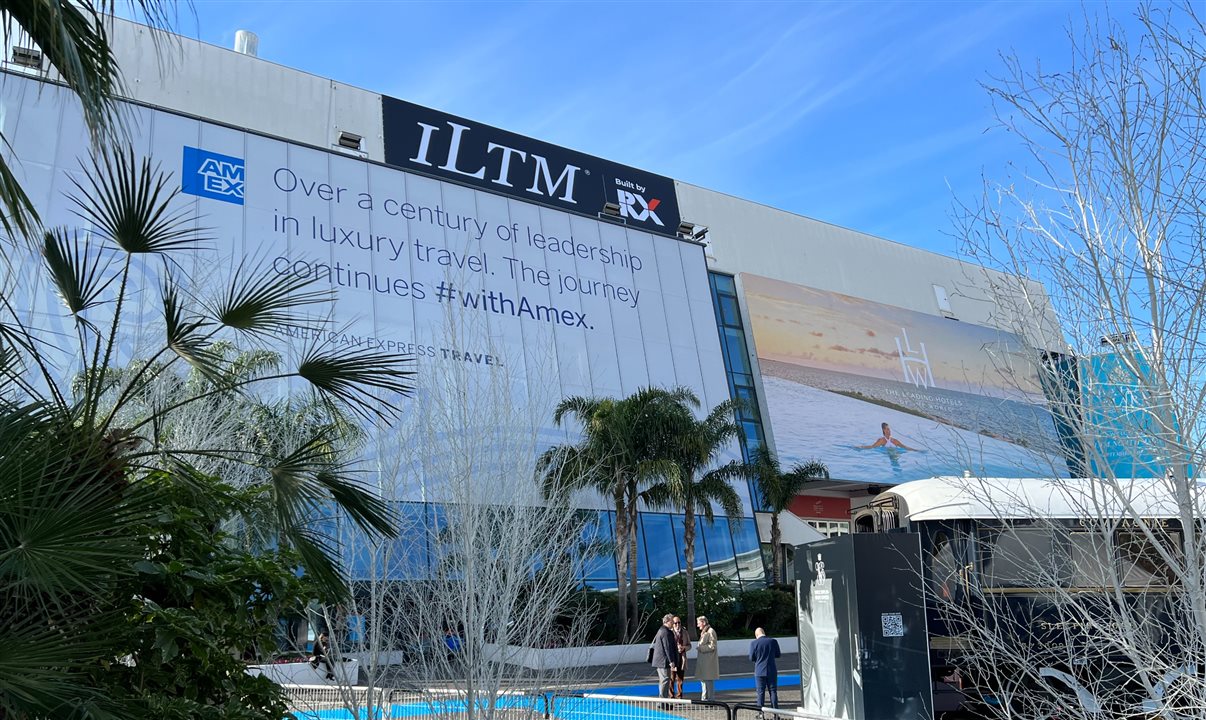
212	175
633	205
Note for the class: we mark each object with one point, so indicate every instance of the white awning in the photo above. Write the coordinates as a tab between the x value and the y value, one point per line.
946	498
793	530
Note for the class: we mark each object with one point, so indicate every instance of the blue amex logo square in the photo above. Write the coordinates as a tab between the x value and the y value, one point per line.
212	175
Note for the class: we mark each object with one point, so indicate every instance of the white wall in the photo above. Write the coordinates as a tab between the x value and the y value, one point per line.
208	81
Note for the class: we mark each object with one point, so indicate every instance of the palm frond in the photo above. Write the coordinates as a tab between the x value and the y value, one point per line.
261	301
186	336
811	470
319	555
311	476
580	406
715	488
367	510
78	275
43	665
349	376
64	510
660	497
19	216
129	204
562	469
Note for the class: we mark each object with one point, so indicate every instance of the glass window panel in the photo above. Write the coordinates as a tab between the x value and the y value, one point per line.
1090	561
721	559
743	379
440	547
748	553
659	534
945	575
1142	563
642	561
598	553
1020	557
407	556
753	434
729	313
736	359
724	283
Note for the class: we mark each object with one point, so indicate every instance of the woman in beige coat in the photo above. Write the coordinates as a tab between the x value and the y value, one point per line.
707	666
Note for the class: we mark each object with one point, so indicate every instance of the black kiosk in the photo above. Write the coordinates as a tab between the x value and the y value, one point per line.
864	648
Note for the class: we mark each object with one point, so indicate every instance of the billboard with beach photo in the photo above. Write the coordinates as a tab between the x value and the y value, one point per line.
882	394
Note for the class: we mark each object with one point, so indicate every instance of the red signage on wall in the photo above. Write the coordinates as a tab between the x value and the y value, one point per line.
819	507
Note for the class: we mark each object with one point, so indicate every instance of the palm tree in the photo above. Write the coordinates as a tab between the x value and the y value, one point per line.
777	489
74	449
621	449
73	36
692	482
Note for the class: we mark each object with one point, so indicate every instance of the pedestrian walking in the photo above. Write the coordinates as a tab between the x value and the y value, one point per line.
707	665
665	655
763	652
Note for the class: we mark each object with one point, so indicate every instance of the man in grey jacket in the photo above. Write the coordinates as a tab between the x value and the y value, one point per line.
665	655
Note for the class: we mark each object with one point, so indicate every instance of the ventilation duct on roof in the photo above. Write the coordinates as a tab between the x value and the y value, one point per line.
247	43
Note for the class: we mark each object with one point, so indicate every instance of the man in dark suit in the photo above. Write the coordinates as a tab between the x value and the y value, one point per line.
763	652
665	655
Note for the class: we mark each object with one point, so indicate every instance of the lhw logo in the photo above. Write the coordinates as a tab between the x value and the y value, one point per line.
914	363
633	204
212	175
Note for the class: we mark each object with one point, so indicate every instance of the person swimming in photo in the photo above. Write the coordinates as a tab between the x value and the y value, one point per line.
887	441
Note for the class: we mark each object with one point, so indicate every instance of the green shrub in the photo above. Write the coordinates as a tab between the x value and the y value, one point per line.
773	610
714	597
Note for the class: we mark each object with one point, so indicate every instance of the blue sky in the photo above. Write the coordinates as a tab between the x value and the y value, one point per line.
868	115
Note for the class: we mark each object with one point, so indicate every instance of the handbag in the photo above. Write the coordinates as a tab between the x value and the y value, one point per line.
649	655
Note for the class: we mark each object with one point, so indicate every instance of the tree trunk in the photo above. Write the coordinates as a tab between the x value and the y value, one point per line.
689	556
621	536
776	551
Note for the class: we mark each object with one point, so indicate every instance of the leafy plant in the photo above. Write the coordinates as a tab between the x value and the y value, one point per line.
714	596
89	401
772	609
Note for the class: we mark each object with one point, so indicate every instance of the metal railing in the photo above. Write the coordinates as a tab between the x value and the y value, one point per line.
324	702
621	707
744	711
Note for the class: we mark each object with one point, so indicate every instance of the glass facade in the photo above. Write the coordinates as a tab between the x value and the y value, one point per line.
721	548
738	367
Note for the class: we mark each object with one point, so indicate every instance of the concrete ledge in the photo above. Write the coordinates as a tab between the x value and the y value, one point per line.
599	655
301	673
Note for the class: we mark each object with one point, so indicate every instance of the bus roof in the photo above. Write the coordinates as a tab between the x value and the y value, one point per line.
970	498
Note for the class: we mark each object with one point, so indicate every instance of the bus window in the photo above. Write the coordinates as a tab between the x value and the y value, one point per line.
1089	561
944	569
1019	557
1142	565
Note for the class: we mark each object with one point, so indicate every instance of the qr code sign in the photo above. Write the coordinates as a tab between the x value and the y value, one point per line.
893	624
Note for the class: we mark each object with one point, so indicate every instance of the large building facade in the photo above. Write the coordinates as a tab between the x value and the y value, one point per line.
584	276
